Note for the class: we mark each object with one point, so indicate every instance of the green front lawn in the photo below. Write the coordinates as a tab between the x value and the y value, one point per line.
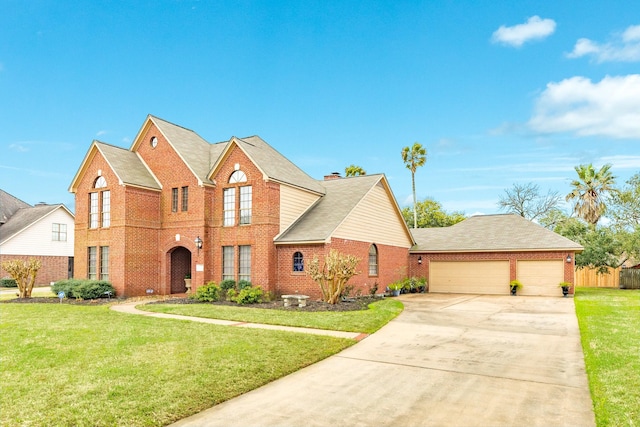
90	366
369	321
610	331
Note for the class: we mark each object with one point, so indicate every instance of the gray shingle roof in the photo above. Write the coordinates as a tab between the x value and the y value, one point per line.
491	233
274	165
189	145
23	218
9	205
321	220
127	166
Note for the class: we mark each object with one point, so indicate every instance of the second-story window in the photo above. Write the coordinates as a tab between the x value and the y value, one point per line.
100	205
93	210
59	232
174	200
185	199
229	202
106	208
245	205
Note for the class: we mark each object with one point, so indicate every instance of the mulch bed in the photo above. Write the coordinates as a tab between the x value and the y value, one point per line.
351	304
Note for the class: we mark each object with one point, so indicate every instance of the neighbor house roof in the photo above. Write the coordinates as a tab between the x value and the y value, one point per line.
325	216
25	217
9	205
491	233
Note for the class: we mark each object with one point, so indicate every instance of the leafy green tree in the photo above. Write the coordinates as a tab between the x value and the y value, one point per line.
431	214
624	205
590	191
525	200
353	170
413	158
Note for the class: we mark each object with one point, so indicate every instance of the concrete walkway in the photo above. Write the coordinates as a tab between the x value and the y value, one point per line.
130	308
447	360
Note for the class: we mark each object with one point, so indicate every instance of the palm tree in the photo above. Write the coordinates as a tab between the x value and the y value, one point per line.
589	191
354	170
413	158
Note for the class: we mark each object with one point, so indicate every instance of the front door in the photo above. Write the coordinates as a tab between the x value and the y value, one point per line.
180	267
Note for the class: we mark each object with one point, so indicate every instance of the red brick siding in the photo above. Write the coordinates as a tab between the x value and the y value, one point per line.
422	270
392	266
53	268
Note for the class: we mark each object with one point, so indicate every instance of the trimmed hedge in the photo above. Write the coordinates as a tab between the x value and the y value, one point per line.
83	289
8	282
207	293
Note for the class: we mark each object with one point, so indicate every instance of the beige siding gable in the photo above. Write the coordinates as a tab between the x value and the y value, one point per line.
375	219
293	203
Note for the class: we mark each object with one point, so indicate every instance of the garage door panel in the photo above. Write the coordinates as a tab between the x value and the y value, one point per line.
469	277
540	277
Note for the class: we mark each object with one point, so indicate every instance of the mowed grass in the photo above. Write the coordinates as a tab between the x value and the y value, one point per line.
67	365
368	321
609	322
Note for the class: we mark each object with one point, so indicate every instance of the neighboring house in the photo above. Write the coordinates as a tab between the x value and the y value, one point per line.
482	254
174	205
44	232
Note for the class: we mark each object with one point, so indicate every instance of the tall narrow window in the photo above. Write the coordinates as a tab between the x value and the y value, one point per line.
244	273
185	199
245	205
59	232
228	263
373	260
104	262
106	208
91	262
229	206
174	200
298	261
93	210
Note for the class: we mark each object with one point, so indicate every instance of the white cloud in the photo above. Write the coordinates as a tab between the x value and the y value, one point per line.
517	35
20	148
621	161
608	108
101	132
624	47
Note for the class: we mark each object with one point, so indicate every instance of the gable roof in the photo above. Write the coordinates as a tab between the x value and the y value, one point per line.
25	217
127	165
273	165
190	146
325	216
9	205
491	233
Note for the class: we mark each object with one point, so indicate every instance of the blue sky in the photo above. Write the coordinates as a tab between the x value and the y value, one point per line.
499	92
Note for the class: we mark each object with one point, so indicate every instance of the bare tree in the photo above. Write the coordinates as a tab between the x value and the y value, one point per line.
24	273
526	201
333	275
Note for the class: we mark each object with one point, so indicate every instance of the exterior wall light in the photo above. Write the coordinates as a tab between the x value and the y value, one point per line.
569	259
198	243
420	259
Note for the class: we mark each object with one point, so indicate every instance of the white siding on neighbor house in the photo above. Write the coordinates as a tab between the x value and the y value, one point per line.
36	239
293	203
375	220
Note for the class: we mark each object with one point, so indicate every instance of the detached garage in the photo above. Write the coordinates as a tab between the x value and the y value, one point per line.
482	254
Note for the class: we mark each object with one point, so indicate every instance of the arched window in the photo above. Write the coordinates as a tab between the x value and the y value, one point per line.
237	176
298	261
100	182
373	260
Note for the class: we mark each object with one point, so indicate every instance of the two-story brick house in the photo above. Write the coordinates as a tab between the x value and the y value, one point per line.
174	205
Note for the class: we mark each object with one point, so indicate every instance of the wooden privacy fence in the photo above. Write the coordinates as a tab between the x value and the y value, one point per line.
590	278
629	278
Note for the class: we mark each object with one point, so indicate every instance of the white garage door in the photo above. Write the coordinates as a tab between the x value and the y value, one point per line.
540	277
469	277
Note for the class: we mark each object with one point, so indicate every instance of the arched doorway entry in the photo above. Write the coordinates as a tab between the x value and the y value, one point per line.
179	267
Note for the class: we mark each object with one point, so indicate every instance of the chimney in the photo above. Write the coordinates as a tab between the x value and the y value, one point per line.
334	175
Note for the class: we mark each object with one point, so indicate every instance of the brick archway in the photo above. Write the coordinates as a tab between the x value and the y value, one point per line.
179	266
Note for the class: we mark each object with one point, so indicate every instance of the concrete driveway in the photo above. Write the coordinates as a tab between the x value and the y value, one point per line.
447	360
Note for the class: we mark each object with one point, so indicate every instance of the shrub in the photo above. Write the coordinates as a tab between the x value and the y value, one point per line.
83	289
208	293
8	282
249	296
227	284
242	284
